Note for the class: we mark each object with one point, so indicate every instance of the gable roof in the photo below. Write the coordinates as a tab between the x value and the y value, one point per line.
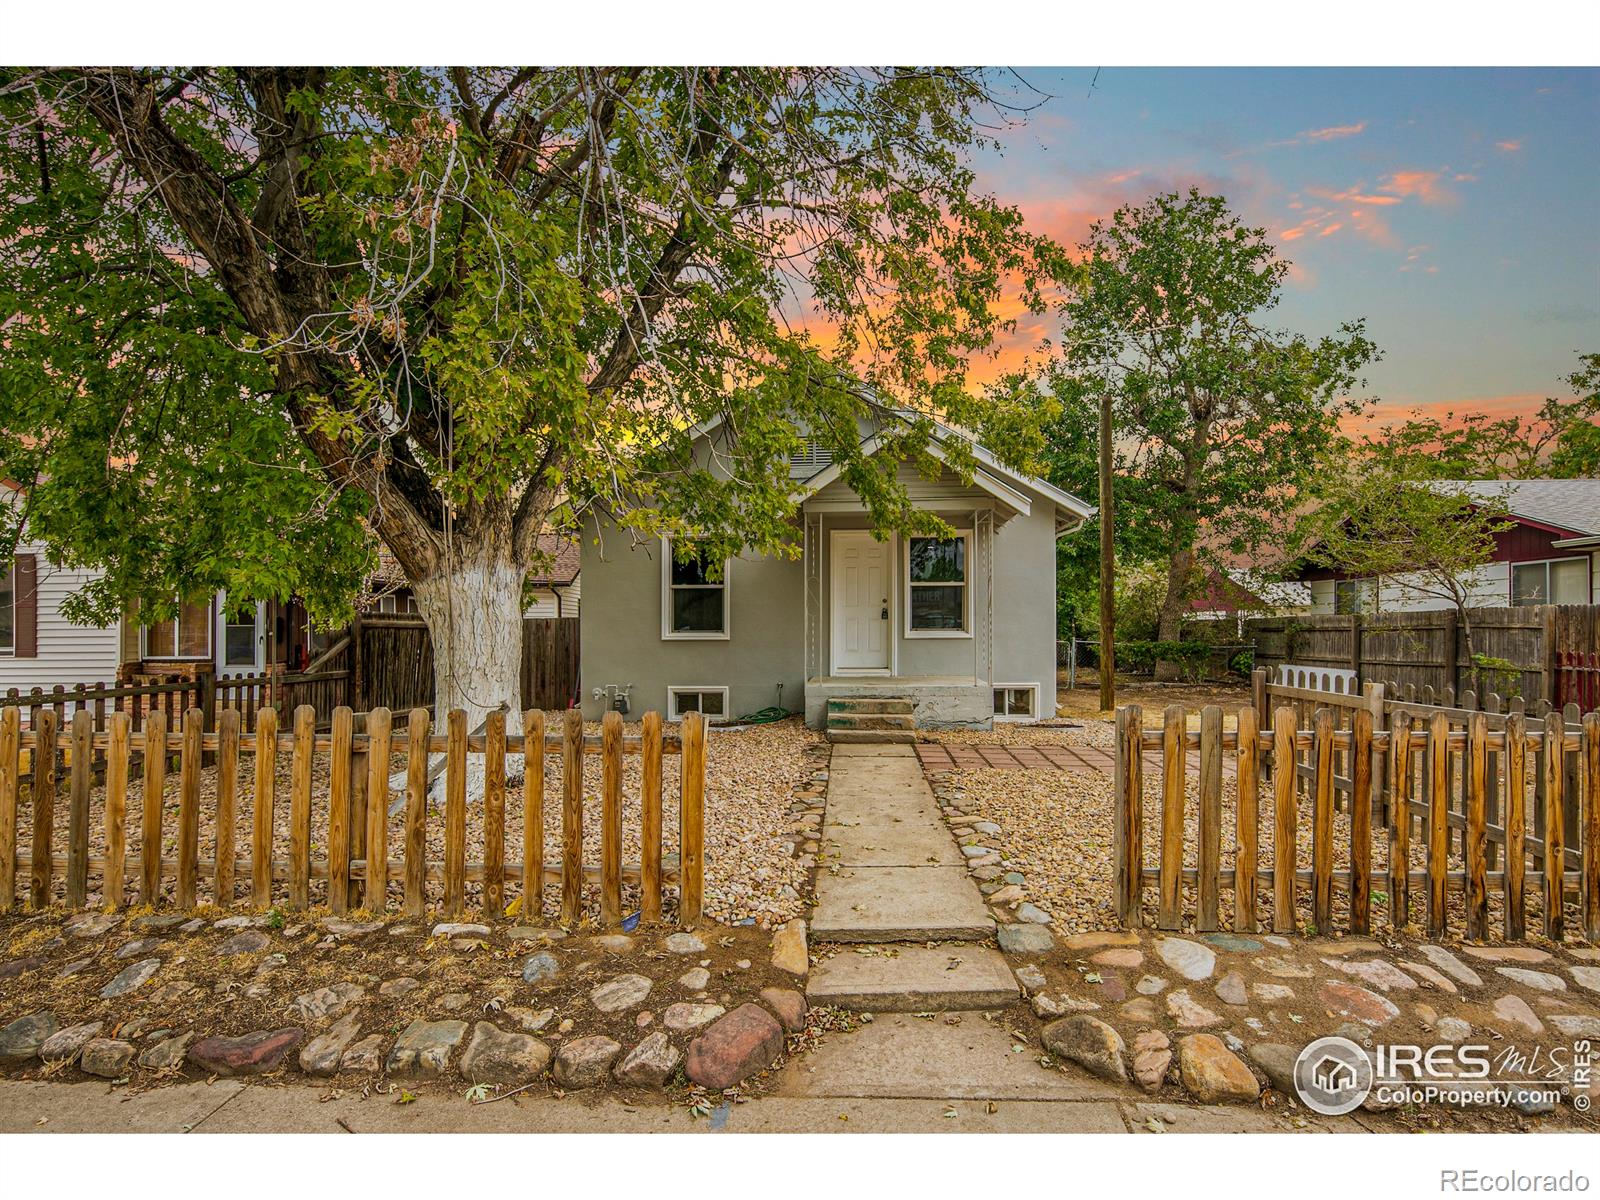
565	557
1569	506
1005	484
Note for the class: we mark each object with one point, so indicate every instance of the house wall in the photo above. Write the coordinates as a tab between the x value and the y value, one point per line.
68	654
1489	587
620	635
545	602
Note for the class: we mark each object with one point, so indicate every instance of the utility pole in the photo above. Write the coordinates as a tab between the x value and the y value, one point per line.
1108	592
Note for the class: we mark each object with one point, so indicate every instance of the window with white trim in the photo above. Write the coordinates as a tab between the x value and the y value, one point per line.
240	635
709	702
1558	581
938	585
8	611
694	594
1016	701
188	635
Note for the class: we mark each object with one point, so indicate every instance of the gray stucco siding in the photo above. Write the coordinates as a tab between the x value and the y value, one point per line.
621	643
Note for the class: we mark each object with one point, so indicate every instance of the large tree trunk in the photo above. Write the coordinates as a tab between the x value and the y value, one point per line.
473	608
1172	608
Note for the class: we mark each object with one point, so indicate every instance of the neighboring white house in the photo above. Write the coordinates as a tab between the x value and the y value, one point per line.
1550	555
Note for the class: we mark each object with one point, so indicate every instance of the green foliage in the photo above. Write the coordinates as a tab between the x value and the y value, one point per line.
1140	655
1561	441
1220	419
451	309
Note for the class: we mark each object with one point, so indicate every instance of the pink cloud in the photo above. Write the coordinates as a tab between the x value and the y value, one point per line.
1510	145
1334	228
1426	186
1332	132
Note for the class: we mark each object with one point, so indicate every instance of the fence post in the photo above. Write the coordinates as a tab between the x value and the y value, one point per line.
1438	820
380	722
494	815
1361	822
155	782
611	818
1516	824
116	810
339	813
358	666
572	815
1284	864
44	806
10	770
1555	850
1258	694
1174	752
1128	799
1322	821
1591	827
189	809
417	728
455	812
1476	840
533	816
1400	822
650	819
692	820
1246	821
227	803
305	734
262	813
78	806
1210	857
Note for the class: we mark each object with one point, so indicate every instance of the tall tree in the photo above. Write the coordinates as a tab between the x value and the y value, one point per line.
255	316
1219	417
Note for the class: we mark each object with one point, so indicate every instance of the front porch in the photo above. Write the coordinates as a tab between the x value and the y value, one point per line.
936	701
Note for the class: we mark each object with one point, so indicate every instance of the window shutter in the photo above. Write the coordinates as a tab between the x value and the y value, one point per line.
26	583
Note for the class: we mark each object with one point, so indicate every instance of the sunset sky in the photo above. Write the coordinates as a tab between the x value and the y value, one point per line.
1457	210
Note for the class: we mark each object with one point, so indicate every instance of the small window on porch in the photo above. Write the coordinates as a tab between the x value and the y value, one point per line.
1016	701
694	594
188	635
937	583
709	702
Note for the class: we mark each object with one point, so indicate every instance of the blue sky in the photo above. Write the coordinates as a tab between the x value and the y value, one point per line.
1458	210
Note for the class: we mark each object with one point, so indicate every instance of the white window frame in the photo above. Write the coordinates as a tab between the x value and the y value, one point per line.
1547	563
966	589
668	634
673	714
220	636
11	574
1018	687
211	637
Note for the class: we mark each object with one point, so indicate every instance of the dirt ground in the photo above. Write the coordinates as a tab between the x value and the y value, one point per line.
1083	701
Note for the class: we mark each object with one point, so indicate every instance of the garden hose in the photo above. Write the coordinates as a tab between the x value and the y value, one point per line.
765	716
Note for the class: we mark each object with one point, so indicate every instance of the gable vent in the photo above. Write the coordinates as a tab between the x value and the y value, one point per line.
810	459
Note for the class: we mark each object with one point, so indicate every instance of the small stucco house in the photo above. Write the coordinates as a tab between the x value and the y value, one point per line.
948	632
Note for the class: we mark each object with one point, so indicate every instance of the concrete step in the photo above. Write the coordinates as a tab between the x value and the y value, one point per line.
914	979
871	704
903	737
867	720
899	904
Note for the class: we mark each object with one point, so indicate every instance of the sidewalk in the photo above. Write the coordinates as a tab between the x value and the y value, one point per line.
231	1106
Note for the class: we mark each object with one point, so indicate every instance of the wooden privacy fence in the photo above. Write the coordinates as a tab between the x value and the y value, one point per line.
357	865
1265	763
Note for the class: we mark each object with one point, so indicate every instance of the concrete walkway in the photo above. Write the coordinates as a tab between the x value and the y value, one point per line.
893	874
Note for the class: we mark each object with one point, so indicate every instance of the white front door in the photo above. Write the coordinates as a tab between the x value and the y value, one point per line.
861	594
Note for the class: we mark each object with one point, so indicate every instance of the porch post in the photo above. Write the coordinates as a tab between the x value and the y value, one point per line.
813	590
983	537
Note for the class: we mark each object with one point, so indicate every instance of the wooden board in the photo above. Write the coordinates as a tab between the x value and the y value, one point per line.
1438	819
155	779
455	813
10	784
1554	829
380	752
82	776
1283	821
533	816
1361	822
494	815
264	802
227	803
1247	822
305	730
611	820
650	819
1322	822
416	849
1476	842
692	821
1173	779
571	816
44	808
117	753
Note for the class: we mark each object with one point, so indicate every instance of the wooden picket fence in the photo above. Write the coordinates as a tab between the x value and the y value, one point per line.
357	866
1268	769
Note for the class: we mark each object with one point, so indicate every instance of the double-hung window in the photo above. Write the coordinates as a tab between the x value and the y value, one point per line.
938	585
694	593
188	635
